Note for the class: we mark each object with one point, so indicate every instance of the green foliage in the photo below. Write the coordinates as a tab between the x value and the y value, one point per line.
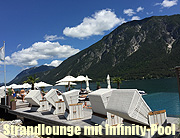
12	100
117	80
10	92
98	84
32	80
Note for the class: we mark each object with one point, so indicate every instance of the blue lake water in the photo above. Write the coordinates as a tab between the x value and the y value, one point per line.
161	93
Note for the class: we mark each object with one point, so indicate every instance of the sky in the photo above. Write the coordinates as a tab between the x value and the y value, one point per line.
46	32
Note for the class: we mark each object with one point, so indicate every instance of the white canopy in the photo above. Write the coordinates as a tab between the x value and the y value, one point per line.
87	83
2	87
14	86
67	79
65	83
108	82
42	84
82	78
26	85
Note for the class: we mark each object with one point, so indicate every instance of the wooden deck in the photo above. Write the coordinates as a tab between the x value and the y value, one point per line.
45	117
48	118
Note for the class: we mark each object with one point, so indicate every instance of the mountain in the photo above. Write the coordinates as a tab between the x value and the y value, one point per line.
142	49
22	76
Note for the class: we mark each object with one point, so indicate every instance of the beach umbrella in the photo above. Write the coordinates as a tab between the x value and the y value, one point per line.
14	86
108	82
87	83
26	85
81	78
67	79
65	83
2	87
42	84
17	86
8	87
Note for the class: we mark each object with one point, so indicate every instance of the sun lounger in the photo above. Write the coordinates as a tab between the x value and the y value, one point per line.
35	99
74	110
129	104
99	100
58	105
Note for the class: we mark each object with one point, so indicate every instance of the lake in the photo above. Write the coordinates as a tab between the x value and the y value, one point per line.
161	93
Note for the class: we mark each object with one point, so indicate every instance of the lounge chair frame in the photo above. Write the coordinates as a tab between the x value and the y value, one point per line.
58	106
74	110
99	100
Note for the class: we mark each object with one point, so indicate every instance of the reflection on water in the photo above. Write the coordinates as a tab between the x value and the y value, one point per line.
162	93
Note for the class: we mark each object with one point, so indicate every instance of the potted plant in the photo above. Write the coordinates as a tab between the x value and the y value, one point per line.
13	104
98	85
9	97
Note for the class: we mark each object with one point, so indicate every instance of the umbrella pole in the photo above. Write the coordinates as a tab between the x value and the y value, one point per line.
81	85
69	86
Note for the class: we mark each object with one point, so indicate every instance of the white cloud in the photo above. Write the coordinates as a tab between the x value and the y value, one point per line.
52	37
135	18
18	45
140	9
149	13
96	25
40	50
129	12
168	3
54	63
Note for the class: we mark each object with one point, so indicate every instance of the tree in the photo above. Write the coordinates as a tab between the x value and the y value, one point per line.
32	80
117	80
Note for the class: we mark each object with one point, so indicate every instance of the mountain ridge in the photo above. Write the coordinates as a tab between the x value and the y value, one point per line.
140	49
22	76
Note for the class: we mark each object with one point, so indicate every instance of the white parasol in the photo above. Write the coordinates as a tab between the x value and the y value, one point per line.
108	82
67	79
26	85
42	84
87	83
65	83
